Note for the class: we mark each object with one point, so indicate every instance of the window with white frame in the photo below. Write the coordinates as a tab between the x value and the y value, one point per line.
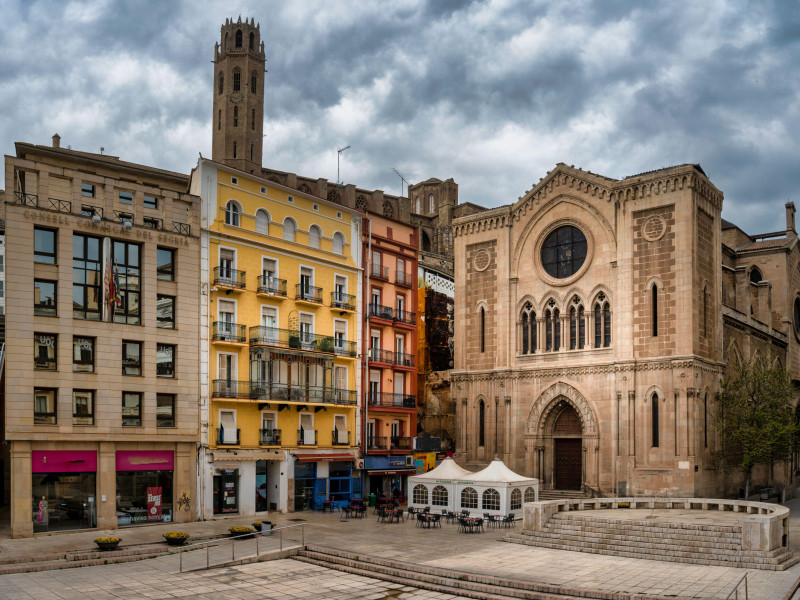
338	243
374	387
270	436
516	499
306	331
226	320
314	235
227	432
420	494
439	496
469	498
491	499
232	213
340	290
262	221
340	429
227	260
306	436
340	336
289	229
530	494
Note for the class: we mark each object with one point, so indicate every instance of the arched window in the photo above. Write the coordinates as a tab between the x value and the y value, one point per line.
219	119
238	38
235	116
756	276
705	420
417	206
654	308
237	79
439	496
253	119
516	499
252	40
361	203
530	495
262	221
431	205
705	311
289	229
313	236
654	421
426	242
232	212
234	149
577	325
420	494
338	243
528	325
220	83
552	328
469	498
481	423
490	499
253	82
602	322
388	210
483	329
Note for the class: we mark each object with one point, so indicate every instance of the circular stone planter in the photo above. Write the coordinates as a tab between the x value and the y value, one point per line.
107	545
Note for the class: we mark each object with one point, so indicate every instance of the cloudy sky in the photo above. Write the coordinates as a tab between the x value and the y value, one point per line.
492	93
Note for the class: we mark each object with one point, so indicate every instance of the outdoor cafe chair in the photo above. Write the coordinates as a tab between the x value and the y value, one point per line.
510	520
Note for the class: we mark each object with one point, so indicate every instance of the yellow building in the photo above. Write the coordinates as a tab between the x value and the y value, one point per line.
280	300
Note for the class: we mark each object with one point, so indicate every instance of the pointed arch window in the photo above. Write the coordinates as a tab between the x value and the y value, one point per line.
237	79
238	38
552	319
528	326
705	420
219	119
577	325
654	420
483	329
232	212
338	243
235	116
289	229
262	221
481	423
431	204
654	308
253	119
602	322
234	149
252	40
253	82
417	206
705	311
314	235
221	83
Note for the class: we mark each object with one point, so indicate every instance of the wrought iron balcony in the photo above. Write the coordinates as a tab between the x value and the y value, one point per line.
153	223
343	301
342	347
270	437
267	284
378	355
228	332
404	279
306	437
88	210
227	277
403	359
393	400
182	228
230	388
27	199
379	272
378	443
382	312
308	293
227	437
406	317
300	340
340	438
281	392
123	217
400	443
64	206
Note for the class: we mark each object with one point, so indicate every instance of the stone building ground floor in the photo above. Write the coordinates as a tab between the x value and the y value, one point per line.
58	486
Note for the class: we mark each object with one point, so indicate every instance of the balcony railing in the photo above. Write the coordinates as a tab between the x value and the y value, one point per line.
270	437
404	316
300	340
309	293
379	272
400	443
340	438
228	332
88	210
404	278
392	314
343	301
403	359
378	355
267	284
378	443
389	399
228	277
306	437
182	228
123	217
382	312
227	437
27	199
64	206
153	223
281	392
230	388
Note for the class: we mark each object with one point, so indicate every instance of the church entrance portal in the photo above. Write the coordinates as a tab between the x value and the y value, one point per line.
567	449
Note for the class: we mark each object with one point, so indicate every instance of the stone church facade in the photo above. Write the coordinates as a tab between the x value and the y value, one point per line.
595	319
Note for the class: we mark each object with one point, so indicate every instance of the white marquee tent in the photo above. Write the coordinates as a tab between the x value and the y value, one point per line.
495	489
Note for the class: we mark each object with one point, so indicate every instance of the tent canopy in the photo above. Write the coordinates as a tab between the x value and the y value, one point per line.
447	469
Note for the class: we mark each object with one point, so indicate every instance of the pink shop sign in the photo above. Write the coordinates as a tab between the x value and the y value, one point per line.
63	461
145	460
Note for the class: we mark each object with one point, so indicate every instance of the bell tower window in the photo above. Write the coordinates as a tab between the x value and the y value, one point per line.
238	38
234	149
235	116
252	40
221	83
253	83
237	80
253	120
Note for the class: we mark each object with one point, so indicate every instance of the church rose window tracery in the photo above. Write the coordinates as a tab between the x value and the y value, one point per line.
564	252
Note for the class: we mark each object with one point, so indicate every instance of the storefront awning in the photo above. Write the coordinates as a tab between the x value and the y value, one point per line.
318	457
393	472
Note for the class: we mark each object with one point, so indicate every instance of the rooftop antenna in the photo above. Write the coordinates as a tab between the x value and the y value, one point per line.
402	180
338	158
102	149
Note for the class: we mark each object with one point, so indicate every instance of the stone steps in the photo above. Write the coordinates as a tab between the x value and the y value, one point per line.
718	545
560	495
460	583
89	558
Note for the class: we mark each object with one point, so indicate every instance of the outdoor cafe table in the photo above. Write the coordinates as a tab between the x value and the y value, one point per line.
427	520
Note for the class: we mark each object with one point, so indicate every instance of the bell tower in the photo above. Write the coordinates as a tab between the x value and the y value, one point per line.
238	125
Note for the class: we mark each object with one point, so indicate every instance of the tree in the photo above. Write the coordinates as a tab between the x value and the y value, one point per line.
755	417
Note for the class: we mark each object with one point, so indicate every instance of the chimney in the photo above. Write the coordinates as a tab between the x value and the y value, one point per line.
790	232
57	143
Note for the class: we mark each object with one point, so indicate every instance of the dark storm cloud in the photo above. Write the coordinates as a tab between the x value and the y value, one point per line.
492	93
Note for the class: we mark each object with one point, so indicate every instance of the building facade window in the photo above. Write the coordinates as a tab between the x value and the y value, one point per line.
86	277
237	80
469	498
654	421
165	311
289	229
82	407
235	116
165	410
338	243
314	235
131	409
165	360
126	198
483	329
654	308
481	423
253	84
150	202
238	38
127	272
564	252
262	221
528	326
221	83
44	406
552	318
45	351
44	245
87	190
577	325
602	322
232	211
82	354
165	264
131	358
44	298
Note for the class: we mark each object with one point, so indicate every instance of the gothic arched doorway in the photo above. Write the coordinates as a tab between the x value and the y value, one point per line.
567	449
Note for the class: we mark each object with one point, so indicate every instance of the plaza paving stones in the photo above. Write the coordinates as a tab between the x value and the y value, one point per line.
441	547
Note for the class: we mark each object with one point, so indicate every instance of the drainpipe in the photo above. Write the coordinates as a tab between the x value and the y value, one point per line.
365	429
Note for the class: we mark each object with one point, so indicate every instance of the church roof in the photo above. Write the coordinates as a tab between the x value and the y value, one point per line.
696	166
764	244
447	469
728	225
498	472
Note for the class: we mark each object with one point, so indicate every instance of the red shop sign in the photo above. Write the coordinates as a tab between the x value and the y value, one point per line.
154	504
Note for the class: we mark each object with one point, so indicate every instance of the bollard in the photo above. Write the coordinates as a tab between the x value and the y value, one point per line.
303	533
207	545
233	549
281	530
180	560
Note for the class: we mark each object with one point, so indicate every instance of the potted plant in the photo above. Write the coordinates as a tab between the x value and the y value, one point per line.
294	341
107	542
240	530
176	538
257	525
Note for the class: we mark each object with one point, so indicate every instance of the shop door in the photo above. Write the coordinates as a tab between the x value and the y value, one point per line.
567	463
226	492
320	492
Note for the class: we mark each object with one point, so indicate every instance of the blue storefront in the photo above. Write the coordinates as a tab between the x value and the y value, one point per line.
383	474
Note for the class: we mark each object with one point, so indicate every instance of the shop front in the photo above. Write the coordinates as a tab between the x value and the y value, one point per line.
64	489
144	486
320	478
386	476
